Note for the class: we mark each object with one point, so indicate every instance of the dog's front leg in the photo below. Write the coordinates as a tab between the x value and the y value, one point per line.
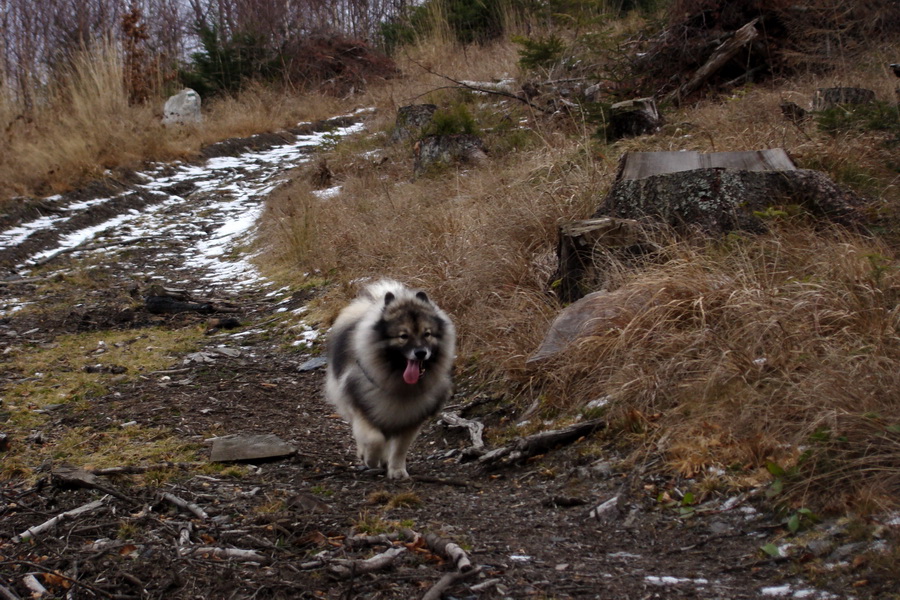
397	449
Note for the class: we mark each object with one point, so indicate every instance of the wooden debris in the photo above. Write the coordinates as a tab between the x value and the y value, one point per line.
349	568
606	511
448	581
38	591
185	505
727	191
67	476
540	442
450	550
33	532
793	112
237	554
139	469
8	594
476	430
724	53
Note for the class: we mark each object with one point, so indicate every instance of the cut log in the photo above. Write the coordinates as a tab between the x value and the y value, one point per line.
581	243
720	57
633	118
538	443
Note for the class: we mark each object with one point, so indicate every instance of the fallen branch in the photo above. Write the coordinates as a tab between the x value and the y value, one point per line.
139	469
67	476
476	428
69	514
349	568
540	442
447	581
720	56
8	594
468	86
232	553
37	590
446	548
441	481
185	505
441	546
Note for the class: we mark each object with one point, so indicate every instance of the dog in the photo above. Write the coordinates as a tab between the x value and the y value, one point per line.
390	356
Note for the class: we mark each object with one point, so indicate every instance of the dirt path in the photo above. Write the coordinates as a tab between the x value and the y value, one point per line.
572	523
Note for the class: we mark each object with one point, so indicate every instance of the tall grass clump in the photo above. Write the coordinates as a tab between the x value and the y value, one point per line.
738	353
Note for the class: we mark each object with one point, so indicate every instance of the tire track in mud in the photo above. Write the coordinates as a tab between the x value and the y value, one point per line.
187	219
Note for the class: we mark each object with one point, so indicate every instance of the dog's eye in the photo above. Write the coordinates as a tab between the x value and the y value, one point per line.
403	336
427	334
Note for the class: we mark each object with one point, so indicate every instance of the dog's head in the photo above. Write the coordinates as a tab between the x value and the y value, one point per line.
412	331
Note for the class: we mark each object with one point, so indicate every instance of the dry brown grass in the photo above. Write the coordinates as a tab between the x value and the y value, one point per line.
85	125
755	345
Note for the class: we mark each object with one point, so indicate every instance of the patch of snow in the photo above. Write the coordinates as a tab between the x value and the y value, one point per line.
327	193
777	591
22	232
669	580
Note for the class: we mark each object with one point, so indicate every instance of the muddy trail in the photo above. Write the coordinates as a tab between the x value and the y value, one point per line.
561	519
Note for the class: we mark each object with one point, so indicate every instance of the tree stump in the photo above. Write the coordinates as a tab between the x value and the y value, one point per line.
633	118
581	243
826	98
411	120
447	149
721	192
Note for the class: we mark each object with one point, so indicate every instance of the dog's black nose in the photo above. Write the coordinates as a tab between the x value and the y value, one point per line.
421	354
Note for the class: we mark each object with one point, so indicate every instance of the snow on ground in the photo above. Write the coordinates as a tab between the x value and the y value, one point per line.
203	231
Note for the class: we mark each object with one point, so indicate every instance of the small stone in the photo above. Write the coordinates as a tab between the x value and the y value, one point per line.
314	363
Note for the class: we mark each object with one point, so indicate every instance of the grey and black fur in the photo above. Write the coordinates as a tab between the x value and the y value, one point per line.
390	353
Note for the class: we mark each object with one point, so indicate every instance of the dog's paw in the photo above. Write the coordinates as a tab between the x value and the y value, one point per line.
394	473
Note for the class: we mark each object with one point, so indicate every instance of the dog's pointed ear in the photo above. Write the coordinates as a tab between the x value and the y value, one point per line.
388	298
422	296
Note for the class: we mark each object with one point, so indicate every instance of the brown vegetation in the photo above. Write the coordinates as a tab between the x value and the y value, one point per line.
780	348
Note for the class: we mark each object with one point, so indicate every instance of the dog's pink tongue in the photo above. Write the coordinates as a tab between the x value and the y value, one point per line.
412	372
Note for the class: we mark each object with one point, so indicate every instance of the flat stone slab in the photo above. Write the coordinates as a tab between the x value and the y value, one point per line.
241	447
314	363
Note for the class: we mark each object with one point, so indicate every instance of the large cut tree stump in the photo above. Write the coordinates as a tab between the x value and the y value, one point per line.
722	191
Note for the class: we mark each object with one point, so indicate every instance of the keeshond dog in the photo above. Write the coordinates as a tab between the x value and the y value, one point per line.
390	353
